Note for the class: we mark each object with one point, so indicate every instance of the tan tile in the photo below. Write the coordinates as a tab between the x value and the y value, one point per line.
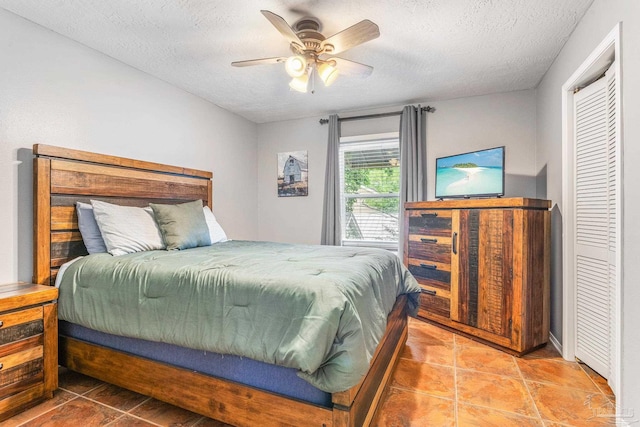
165	414
486	359
427	378
75	382
557	372
600	381
469	415
425	331
464	341
546	352
571	406
59	397
429	352
494	391
77	412
406	408
129	421
116	397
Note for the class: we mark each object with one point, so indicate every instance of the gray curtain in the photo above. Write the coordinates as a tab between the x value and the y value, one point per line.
413	162
331	230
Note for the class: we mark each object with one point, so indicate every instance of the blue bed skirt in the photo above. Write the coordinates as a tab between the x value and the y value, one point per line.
242	370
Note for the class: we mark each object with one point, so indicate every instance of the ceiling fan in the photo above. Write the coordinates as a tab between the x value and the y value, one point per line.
310	48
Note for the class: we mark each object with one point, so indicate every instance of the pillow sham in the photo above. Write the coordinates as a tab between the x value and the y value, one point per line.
89	229
216	233
127	229
183	226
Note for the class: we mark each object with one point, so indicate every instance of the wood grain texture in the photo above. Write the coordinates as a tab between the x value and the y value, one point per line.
454	313
500	202
16	295
20	332
18	402
21	377
42	150
41	220
223	400
50	348
500	274
28	354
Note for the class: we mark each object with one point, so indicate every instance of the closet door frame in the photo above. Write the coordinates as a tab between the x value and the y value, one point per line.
608	49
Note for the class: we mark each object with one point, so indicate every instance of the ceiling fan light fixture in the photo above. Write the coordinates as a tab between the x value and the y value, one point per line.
296	65
300	83
327	73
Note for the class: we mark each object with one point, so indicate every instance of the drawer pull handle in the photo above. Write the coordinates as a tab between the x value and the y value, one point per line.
424	240
425	215
454	246
1	323
1	365
429	266
428	292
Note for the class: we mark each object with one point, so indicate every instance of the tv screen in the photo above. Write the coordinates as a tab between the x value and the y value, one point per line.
475	174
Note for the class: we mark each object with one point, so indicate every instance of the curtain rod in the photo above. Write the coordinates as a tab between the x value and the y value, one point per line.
428	109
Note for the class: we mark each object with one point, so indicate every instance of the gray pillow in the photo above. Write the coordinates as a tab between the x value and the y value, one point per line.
182	226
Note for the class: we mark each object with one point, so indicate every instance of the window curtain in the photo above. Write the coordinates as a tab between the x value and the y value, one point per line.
331	229
413	163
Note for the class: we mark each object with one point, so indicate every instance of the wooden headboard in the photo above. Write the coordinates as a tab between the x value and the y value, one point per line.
62	177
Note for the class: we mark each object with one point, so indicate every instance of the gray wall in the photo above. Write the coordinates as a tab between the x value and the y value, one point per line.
458	125
594	26
56	91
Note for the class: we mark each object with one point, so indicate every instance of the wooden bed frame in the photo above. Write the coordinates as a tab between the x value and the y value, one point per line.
64	176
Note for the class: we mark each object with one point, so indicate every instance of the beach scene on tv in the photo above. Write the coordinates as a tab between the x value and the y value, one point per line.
470	174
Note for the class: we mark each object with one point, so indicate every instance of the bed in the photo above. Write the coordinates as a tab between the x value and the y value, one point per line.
63	177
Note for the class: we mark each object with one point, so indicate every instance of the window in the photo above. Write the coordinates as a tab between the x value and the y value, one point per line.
369	186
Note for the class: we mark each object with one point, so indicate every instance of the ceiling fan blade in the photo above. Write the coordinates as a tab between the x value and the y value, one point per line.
357	34
284	28
351	68
263	61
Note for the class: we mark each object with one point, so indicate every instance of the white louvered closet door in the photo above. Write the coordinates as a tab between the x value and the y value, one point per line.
596	230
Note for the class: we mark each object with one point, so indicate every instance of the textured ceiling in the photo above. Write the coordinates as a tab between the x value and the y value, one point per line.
427	50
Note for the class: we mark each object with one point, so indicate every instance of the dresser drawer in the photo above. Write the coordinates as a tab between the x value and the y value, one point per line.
430	222
430	248
431	273
433	303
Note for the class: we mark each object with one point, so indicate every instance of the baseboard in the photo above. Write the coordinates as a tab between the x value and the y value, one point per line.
554	342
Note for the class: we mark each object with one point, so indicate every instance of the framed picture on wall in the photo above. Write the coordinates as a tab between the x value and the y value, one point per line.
292	174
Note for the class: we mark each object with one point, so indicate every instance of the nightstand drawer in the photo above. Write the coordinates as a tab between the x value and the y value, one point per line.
28	346
18	325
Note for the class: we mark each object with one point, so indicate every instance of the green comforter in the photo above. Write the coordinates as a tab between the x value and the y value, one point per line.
319	309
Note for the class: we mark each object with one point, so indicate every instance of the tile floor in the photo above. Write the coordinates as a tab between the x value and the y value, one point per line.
442	380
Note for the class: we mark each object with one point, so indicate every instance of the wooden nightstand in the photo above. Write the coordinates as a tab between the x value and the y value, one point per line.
28	346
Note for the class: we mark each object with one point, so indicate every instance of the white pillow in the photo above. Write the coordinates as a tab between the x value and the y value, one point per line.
127	229
216	232
89	229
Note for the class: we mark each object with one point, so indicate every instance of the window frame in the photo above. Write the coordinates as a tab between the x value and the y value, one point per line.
356	142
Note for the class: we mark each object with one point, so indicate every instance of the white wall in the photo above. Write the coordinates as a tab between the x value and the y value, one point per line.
594	26
458	125
58	92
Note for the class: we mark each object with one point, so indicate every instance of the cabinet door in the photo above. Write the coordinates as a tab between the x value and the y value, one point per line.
482	269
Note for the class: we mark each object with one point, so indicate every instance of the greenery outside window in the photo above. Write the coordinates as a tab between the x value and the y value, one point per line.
369	187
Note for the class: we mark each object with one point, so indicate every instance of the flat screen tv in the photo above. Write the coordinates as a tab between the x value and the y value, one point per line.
475	174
